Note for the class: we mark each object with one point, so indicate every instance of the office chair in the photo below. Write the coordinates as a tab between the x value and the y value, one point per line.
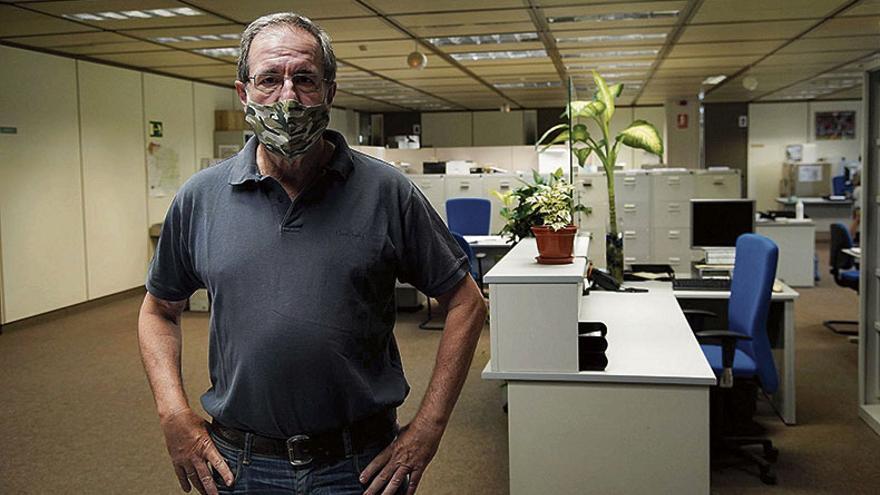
476	272
838	185
469	216
742	352
842	269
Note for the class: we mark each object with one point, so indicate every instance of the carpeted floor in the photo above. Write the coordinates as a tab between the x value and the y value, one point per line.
76	414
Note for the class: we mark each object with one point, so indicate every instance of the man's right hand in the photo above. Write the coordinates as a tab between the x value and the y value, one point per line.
192	452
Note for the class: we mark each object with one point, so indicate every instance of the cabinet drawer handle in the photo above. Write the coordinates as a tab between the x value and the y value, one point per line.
629	207
718	182
465	185
674	234
587	183
673	181
504	185
674	208
629	259
674	261
629	234
629	180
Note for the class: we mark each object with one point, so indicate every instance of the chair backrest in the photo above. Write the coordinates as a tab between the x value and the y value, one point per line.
469	216
469	251
838	185
750	292
840	240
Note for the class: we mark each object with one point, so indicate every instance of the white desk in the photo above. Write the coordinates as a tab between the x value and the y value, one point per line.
822	211
784	337
797	249
640	426
855	252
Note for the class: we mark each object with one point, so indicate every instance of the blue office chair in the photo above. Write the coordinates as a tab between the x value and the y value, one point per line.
844	272
838	185
469	216
742	352
476	272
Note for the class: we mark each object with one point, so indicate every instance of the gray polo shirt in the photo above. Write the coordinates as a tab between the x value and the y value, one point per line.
303	291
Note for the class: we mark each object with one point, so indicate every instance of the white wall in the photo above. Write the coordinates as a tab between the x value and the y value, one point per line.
683	144
114	177
445	129
772	126
499	128
73	184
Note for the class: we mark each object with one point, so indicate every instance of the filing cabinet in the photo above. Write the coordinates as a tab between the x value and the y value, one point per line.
503	184
717	184
434	189
465	186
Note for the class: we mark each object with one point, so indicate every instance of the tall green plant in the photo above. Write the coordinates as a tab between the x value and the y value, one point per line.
599	110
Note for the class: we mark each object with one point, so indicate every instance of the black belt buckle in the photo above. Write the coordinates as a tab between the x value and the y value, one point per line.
298	451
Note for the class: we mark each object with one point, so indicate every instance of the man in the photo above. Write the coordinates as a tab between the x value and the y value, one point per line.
299	240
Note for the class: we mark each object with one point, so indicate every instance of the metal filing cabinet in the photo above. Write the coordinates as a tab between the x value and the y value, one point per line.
465	186
592	191
434	188
503	184
717	184
632	190
671	218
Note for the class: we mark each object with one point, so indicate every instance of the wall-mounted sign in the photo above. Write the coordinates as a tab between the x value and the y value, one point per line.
682	121
743	121
155	128
8	130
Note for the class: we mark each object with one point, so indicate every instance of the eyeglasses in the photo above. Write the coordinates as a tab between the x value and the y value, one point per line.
303	82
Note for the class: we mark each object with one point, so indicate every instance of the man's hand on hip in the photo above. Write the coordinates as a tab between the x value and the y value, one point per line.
409	454
193	453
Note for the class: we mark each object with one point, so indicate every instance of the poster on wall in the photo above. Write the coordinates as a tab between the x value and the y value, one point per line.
163	171
835	125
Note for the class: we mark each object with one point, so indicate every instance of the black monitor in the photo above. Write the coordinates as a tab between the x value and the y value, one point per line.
716	223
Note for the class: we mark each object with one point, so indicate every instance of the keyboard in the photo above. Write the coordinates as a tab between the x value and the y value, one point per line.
722	284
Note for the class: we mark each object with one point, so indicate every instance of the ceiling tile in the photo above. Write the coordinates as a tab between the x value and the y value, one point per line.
833	44
865	7
476	28
761	10
58	40
353	49
164	58
363	29
723	49
245	12
771	30
611	8
92	6
398	62
847	26
417	6
106	48
709	62
225	71
19	22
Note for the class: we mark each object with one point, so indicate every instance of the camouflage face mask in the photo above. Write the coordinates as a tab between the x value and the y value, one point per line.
287	127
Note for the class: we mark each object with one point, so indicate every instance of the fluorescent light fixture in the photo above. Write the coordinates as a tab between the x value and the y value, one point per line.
507	55
230	51
125	15
486	39
613	54
614	65
528	85
713	80
617	16
196	38
607	38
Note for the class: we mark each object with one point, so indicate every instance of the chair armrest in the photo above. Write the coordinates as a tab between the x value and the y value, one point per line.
728	350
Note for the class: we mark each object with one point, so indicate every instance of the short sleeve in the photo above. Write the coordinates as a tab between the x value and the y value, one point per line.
429	258
171	275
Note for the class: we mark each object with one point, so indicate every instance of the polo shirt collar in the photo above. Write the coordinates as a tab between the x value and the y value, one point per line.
245	167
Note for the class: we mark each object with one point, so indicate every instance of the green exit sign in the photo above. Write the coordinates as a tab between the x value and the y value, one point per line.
8	130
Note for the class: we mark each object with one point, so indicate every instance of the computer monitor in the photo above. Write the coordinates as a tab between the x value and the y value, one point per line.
716	223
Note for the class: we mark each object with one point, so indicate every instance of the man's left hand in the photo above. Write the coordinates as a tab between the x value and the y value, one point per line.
409	454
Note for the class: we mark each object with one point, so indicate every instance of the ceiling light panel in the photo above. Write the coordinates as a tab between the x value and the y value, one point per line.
316	10
616	54
498	55
485	39
615	16
646	38
197	38
750	31
229	51
133	14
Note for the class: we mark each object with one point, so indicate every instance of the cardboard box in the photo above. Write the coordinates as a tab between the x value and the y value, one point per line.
229	120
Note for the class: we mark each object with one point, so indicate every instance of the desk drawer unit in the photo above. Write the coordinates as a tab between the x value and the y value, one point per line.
672	213
633	214
629	187
673	186
434	188
718	185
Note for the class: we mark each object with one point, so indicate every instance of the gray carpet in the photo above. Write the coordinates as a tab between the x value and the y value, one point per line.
76	414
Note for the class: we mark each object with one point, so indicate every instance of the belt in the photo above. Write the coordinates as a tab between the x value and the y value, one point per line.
302	449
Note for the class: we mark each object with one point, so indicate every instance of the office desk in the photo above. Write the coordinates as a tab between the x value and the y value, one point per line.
855	252
639	426
780	328
822	211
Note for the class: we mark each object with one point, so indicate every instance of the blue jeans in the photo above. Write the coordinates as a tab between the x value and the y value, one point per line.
259	474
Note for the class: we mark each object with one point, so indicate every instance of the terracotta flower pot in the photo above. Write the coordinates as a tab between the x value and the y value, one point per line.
555	247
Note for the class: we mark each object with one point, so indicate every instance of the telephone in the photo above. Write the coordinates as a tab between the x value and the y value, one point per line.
605	281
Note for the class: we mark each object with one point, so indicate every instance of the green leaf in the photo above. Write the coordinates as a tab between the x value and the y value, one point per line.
642	135
616	89
585	108
555	140
580	133
582	154
604	95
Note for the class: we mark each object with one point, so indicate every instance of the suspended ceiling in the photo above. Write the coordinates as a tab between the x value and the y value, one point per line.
781	49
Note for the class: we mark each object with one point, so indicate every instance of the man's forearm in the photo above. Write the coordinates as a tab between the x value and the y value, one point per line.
159	339
464	323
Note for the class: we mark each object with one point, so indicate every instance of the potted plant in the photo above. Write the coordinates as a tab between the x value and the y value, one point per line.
582	143
544	209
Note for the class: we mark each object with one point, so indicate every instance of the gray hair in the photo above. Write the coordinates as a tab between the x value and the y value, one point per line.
294	21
